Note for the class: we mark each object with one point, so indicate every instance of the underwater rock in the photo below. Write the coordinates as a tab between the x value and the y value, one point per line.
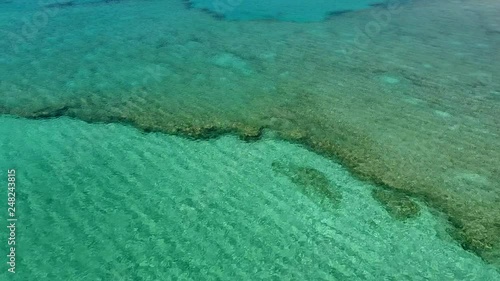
313	183
51	112
397	204
250	133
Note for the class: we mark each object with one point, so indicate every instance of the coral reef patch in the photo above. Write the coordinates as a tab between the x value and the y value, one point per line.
312	183
398	205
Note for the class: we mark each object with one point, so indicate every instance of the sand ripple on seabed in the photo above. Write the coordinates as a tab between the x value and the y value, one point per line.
416	109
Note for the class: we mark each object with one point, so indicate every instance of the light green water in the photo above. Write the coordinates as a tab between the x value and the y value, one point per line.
107	202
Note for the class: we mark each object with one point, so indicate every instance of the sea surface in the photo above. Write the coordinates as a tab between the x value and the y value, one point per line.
250	140
108	202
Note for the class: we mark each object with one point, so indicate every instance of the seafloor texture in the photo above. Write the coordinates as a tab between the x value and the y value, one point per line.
413	107
289	10
107	202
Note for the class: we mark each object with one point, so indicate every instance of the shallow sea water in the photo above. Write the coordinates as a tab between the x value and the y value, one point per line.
107	202
242	140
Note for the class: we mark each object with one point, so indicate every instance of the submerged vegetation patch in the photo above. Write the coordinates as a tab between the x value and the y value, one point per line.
398	205
312	182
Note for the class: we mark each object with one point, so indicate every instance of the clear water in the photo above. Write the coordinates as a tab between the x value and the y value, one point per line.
107	202
318	140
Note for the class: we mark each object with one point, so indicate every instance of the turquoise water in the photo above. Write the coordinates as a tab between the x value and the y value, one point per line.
107	202
228	140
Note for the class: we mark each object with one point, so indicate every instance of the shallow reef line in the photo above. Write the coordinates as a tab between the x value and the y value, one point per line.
471	235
